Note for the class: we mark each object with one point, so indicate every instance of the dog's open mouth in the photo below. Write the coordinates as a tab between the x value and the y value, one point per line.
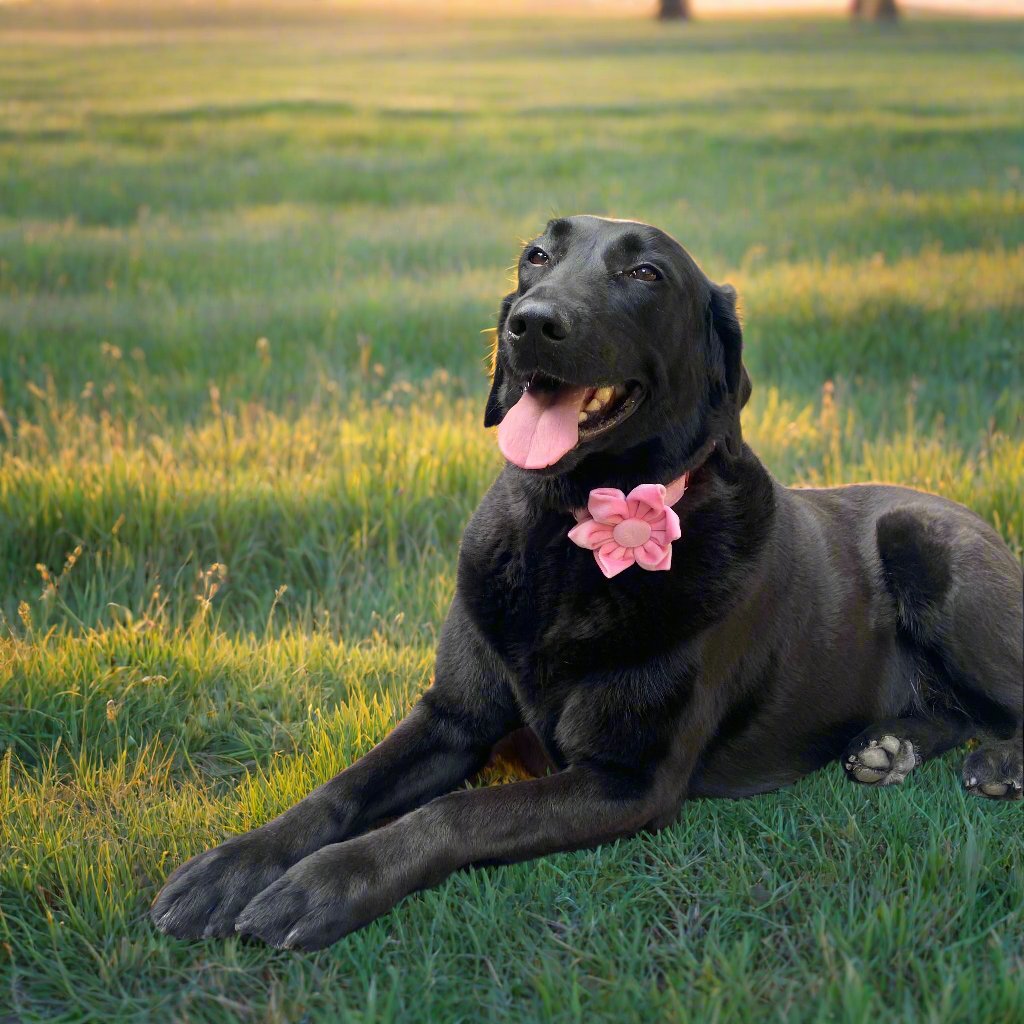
553	417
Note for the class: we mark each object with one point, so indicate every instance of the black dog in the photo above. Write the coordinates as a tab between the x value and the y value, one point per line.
784	629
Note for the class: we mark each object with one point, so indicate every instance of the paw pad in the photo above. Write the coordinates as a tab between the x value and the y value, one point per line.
995	772
882	762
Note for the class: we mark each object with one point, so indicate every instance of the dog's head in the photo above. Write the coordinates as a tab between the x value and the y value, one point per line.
615	346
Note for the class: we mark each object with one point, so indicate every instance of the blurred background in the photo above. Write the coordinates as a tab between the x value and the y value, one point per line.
249	254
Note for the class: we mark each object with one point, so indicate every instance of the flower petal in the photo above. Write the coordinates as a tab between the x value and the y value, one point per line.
672	528
653	556
675	490
610	562
652	495
590	534
607	505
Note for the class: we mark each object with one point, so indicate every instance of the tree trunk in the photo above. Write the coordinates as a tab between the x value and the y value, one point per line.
874	10
674	10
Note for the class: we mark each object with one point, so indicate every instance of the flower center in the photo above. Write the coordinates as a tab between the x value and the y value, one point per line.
632	533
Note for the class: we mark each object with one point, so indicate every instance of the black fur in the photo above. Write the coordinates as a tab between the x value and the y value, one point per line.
795	626
915	563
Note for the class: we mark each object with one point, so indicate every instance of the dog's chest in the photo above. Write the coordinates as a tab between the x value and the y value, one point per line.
545	607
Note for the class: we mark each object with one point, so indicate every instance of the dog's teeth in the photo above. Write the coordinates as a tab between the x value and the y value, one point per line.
593	405
604	395
582	418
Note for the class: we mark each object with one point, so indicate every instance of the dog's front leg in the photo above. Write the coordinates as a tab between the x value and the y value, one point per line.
345	886
445	738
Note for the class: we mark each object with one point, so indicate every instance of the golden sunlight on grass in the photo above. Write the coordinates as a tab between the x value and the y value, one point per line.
247	257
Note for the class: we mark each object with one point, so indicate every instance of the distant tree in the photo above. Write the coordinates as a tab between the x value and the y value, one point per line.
674	10
875	10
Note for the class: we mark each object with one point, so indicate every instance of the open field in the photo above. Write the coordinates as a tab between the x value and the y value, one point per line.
244	270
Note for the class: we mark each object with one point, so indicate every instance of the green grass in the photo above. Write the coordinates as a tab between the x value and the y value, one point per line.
225	560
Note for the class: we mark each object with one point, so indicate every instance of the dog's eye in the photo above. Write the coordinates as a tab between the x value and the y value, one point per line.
538	257
645	272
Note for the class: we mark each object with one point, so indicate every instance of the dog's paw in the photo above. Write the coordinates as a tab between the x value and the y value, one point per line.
204	896
324	897
881	762
995	771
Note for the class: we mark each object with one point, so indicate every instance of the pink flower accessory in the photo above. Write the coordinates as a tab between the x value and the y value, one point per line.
623	529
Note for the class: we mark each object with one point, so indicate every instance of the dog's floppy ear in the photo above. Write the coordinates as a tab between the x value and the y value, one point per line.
493	411
733	395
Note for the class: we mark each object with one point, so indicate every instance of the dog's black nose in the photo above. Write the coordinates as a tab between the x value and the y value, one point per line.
537	320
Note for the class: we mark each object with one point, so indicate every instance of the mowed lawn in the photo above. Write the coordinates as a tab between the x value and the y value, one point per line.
245	264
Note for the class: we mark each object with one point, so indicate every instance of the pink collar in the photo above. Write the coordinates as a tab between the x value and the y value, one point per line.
623	529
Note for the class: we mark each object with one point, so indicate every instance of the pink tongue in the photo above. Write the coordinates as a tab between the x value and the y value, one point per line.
541	427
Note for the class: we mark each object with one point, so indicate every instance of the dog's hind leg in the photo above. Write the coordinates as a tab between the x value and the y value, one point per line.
888	751
996	769
959	596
